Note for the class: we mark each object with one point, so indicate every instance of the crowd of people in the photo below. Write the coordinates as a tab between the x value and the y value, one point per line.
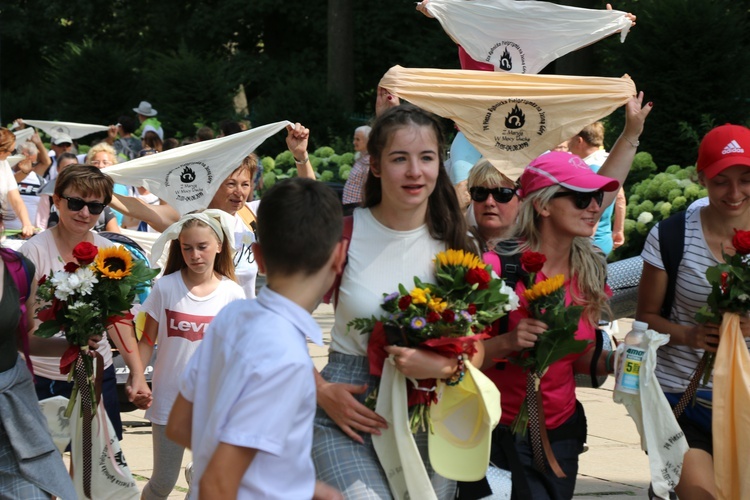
233	381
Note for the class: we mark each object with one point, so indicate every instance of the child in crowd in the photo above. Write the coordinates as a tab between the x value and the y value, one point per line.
198	282
247	397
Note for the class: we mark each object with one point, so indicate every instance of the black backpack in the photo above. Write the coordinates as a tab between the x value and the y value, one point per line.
672	248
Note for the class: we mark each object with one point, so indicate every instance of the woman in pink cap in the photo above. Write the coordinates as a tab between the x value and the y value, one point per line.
562	200
724	169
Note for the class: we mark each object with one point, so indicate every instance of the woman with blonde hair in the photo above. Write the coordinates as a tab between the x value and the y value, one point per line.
562	202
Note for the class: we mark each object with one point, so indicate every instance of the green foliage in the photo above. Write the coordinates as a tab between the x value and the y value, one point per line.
285	160
268	163
324	152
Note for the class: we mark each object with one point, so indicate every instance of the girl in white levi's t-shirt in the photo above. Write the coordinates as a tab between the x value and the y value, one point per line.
198	282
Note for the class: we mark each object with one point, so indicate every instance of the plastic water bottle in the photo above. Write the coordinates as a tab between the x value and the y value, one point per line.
630	359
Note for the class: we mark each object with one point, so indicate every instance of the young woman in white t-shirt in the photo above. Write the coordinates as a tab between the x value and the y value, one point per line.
410	213
724	169
198	282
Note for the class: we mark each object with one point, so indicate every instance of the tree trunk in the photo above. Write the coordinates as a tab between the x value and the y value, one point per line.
340	81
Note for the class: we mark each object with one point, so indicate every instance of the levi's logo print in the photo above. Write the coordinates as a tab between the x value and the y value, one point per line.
188	326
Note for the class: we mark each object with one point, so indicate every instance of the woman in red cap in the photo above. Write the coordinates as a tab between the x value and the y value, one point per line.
562	200
724	169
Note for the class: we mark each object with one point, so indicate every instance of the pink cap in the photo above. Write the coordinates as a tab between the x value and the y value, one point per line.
564	169
724	147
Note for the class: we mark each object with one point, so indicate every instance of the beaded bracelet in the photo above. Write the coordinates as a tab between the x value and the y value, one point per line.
458	375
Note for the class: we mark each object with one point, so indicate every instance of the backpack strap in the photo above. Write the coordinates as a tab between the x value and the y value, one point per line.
19	271
672	247
333	292
248	217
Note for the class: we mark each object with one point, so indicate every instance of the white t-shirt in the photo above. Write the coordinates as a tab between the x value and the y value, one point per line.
7	183
29	188
42	251
251	384
245	267
379	259
676	363
183	319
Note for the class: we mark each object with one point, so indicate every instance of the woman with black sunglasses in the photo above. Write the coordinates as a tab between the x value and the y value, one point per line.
562	200
494	203
81	194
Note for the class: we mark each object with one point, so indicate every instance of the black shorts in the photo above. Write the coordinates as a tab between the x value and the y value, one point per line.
696	435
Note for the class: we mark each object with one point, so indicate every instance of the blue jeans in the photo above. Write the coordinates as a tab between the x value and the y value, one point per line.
47	388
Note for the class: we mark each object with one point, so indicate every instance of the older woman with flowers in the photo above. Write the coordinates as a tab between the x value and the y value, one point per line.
562	201
81	193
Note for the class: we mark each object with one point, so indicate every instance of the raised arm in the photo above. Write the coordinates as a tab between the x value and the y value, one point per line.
621	155
160	217
296	140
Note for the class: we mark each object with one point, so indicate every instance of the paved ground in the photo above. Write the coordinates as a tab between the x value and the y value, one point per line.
614	467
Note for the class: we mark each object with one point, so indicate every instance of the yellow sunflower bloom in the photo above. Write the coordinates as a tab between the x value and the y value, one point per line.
459	258
419	295
437	304
544	288
114	262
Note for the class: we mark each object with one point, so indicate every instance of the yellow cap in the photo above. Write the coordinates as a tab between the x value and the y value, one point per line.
462	421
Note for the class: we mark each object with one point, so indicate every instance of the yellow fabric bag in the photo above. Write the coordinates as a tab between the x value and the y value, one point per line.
512	118
731	412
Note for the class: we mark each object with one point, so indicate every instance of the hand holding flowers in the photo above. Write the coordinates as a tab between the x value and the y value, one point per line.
443	319
730	293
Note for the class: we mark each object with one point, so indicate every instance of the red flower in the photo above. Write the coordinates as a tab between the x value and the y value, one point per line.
85	253
404	302
724	280
478	276
532	262
71	267
741	242
50	313
472	309
433	317
42	280
449	316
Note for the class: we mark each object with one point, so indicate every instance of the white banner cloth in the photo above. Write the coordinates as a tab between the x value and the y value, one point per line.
524	37
508	117
661	435
189	176
74	130
23	135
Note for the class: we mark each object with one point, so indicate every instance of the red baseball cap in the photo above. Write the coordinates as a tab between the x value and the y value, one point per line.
724	147
564	169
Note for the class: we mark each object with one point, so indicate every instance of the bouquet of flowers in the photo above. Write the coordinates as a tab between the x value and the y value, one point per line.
84	300
730	291
447	317
546	302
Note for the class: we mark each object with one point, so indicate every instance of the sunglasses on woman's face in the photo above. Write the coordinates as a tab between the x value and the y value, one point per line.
582	200
77	204
501	195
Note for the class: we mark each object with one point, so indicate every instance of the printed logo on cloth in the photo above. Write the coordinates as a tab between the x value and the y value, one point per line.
732	147
188	326
514	123
59	130
512	59
189	181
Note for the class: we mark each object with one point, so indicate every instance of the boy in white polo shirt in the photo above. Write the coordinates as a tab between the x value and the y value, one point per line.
247	397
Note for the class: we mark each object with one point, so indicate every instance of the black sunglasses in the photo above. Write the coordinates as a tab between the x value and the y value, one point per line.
501	195
582	200
77	204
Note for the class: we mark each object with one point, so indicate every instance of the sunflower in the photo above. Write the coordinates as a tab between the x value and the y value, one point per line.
544	288
114	262
459	258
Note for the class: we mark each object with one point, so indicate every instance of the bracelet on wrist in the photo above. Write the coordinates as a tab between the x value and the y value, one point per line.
458	375
303	161
634	144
